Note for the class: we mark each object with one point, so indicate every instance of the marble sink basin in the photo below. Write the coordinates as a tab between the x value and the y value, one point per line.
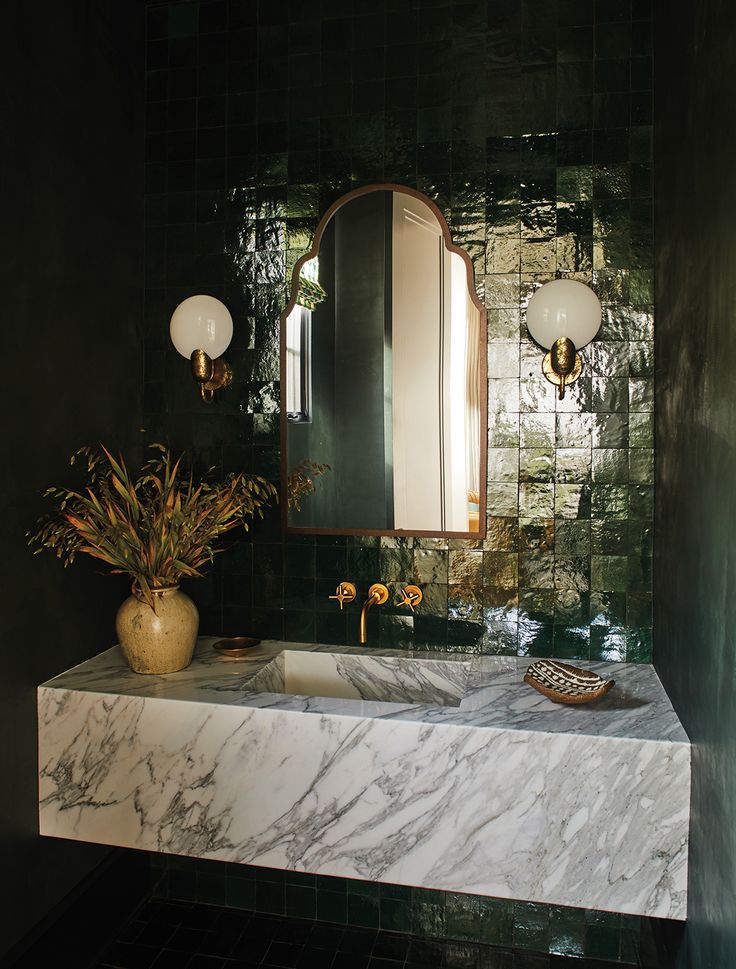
350	676
466	780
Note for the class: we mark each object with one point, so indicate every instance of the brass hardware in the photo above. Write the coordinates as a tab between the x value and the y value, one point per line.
345	592
211	375
411	596
377	595
236	646
562	365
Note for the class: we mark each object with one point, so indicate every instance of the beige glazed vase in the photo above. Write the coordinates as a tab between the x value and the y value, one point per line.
161	641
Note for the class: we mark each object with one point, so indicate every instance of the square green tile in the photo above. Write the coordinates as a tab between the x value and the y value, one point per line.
395	915
501	569
641	465
428	919
567	939
301	902
571	608
332	906
495	921
537	430
212	888
602	942
572	465
571	642
611	430
536	500
462	914
363	910
608	643
536	464
610	465
641	430
531	926
574	430
572	500
270	897
639	645
609	573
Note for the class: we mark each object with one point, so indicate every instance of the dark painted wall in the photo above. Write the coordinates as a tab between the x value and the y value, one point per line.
70	266
695	573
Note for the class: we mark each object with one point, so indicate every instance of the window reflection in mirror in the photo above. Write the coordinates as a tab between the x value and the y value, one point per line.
383	366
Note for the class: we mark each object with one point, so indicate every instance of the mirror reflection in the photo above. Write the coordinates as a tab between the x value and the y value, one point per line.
382	368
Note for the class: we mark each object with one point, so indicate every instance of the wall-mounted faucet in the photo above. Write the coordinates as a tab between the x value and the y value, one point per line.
377	595
411	596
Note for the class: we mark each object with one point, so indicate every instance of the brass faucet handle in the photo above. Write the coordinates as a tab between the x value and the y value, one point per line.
412	596
378	593
345	592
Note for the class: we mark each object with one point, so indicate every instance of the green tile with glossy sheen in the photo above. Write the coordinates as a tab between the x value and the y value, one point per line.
396	914
565	566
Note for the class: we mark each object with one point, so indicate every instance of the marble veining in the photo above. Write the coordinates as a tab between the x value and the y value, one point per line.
362	676
507	794
496	696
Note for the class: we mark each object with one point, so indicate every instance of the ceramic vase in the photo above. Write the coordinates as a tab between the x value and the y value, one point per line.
160	641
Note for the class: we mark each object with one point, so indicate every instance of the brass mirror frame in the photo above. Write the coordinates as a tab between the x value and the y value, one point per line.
482	371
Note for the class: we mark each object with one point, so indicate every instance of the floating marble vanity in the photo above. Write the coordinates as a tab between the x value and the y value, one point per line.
454	776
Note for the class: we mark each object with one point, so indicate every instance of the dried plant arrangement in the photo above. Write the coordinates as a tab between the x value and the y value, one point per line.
300	483
158	527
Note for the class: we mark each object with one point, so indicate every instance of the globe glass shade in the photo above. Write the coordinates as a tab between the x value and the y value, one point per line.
563	307
201	323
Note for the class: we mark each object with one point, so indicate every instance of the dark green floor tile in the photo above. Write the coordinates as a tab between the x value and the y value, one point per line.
396	914
363	910
602	942
301	902
241	893
270	897
332	906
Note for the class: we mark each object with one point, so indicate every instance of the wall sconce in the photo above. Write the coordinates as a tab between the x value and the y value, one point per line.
563	316
201	329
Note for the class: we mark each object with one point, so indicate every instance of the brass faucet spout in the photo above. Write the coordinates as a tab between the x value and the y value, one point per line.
377	595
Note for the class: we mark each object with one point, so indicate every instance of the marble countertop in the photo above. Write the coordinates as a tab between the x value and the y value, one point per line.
496	696
506	794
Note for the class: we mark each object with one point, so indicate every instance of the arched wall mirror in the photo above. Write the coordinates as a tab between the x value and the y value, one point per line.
383	375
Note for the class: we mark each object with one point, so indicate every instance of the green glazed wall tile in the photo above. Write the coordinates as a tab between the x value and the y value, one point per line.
244	153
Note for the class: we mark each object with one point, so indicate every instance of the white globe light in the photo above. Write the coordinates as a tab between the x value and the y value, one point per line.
201	323
563	307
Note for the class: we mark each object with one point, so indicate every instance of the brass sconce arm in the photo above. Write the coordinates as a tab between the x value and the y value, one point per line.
211	375
562	365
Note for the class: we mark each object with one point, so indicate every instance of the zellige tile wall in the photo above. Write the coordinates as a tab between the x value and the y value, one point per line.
529	122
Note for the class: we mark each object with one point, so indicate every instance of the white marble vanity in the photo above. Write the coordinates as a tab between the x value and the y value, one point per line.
455	776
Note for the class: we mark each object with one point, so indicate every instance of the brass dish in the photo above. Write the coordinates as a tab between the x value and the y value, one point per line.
235	646
563	683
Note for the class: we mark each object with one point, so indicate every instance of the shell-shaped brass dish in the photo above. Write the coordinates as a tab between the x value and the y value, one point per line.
563	683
